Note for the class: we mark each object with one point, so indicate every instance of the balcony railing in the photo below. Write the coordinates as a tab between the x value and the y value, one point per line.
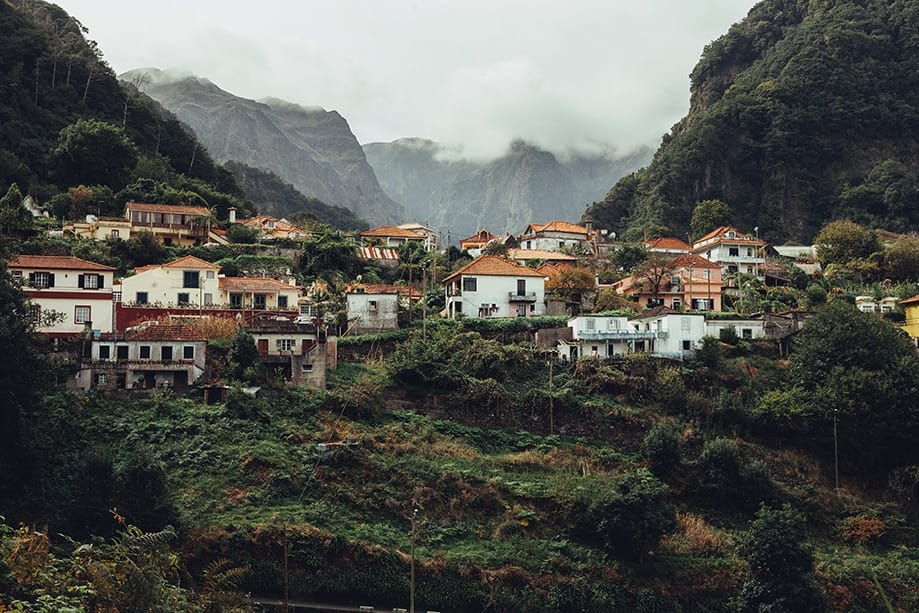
521	297
609	335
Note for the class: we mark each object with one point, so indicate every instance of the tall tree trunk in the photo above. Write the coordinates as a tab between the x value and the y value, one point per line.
53	72
89	79
69	66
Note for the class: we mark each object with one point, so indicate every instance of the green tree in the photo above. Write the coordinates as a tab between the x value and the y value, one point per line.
630	256
328	255
866	372
93	152
239	233
661	446
13	216
709	215
843	242
626	515
901	260
781	565
245	361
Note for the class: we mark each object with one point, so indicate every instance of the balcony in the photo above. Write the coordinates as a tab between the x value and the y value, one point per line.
521	297
610	335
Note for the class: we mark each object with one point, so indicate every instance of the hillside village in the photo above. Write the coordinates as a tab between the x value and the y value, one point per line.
677	293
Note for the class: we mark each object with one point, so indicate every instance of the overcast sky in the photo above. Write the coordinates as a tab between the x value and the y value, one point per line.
563	74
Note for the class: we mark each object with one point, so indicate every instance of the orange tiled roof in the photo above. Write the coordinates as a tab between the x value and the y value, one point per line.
163	332
56	262
492	265
721	233
913	300
547	269
190	261
669	244
557	226
540	254
382	288
657	311
167	208
254	284
691	260
482	236
393	231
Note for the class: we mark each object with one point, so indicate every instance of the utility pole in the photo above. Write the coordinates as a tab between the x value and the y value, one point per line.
411	584
835	450
286	591
551	406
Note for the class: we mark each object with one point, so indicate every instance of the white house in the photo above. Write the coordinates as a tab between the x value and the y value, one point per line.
300	352
743	328
146	356
257	293
187	281
678	334
553	236
735	251
374	307
603	337
393	236
77	290
491	286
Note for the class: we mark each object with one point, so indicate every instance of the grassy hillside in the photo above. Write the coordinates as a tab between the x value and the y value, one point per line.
510	516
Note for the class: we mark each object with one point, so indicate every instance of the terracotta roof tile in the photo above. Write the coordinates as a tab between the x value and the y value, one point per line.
163	332
254	284
668	244
393	231
482	236
494	266
913	300
691	260
190	261
540	254
657	312
557	226
382	288
167	208
56	262
721	235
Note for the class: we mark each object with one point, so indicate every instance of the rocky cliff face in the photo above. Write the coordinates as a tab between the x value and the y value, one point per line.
310	148
525	185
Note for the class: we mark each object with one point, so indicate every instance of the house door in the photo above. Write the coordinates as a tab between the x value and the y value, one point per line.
263	346
521	310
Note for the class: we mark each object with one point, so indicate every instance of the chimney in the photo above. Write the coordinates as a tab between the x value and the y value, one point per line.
232	214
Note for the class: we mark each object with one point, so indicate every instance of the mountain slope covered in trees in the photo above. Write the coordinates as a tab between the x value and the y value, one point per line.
50	77
803	112
524	185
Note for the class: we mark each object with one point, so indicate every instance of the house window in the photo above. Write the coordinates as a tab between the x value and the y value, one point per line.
190	278
687	345
114	233
733	251
101	379
282	302
145	352
41	279
372	305
166	353
749	251
746	333
141	298
469	284
685	324
182	299
121	352
677	304
521	287
591	324
209	274
188	352
284	344
82	314
259	301
35	313
236	301
116	296
306	367
104	352
90	281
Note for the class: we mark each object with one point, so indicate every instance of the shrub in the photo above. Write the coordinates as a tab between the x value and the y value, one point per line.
661	446
626	515
669	388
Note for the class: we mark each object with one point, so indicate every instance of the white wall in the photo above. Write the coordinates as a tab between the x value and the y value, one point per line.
163	286
495	290
383	316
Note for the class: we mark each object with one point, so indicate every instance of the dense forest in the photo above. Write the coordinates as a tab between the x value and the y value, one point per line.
804	112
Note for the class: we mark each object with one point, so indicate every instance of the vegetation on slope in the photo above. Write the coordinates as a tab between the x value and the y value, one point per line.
802	113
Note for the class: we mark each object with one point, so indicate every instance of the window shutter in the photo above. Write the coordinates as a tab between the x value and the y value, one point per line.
101	280
50	279
81	281
32	279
